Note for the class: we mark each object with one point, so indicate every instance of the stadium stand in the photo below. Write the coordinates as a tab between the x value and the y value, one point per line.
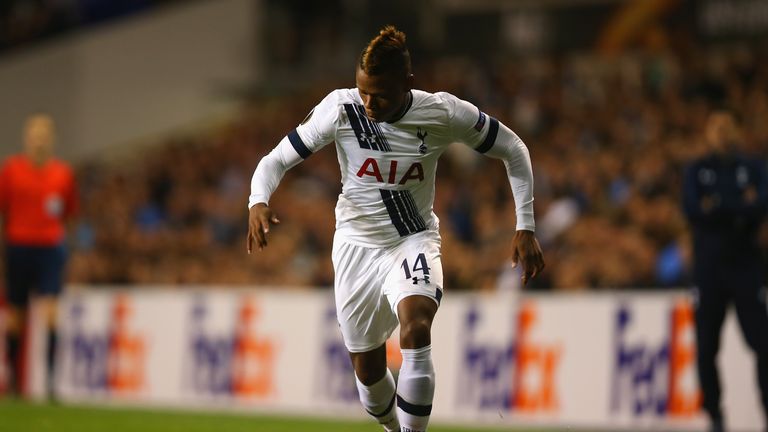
608	136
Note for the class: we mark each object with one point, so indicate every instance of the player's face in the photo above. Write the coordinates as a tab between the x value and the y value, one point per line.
720	131
384	96
39	135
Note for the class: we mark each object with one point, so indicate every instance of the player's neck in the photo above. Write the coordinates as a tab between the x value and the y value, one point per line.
39	158
407	102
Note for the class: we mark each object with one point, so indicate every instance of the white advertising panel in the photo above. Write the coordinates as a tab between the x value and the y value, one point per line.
610	361
202	347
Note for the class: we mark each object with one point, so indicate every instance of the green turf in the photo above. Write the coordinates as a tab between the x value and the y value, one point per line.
18	416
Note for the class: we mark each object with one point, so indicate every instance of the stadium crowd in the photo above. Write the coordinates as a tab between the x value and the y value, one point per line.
608	137
27	21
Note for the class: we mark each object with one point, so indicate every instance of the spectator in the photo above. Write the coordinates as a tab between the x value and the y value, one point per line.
607	170
725	200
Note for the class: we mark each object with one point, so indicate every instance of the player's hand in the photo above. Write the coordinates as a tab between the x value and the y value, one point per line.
527	251
259	218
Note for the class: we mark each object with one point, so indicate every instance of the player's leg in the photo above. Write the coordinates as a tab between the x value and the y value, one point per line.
416	386
19	272
710	303
376	386
51	269
366	321
749	297
415	287
13	344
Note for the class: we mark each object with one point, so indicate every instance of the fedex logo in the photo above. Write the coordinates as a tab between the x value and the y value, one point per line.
337	379
370	168
536	367
211	355
237	362
656	379
487	377
111	361
684	394
517	376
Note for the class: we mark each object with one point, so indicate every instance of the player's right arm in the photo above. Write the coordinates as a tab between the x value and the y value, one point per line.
316	131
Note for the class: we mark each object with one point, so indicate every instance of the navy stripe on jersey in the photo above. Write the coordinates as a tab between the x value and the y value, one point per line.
413	409
382	138
299	145
403	212
354	121
373	128
368	133
377	130
394	213
490	139
413	211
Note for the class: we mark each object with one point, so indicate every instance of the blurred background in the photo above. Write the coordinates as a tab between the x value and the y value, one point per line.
165	108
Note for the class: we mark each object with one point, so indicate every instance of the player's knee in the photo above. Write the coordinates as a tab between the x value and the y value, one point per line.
370	375
415	333
370	367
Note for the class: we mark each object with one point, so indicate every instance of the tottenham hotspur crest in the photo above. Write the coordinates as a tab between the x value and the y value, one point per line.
422	136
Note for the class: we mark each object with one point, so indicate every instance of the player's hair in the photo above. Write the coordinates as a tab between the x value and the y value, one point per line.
39	117
386	53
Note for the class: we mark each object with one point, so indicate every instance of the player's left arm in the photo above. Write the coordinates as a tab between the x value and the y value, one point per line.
492	138
508	147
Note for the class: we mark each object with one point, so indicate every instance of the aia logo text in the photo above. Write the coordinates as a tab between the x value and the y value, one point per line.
391	171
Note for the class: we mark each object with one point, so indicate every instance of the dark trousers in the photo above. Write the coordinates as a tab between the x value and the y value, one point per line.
719	285
33	269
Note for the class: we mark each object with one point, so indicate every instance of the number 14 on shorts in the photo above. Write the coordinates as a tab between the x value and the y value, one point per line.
419	265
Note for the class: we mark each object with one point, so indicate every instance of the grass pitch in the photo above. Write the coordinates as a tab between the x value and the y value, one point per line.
20	416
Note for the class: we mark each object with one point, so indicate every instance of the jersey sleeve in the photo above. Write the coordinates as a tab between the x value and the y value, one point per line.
319	127
467	123
315	132
486	135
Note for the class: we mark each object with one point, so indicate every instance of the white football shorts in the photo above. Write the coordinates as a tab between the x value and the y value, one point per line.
370	282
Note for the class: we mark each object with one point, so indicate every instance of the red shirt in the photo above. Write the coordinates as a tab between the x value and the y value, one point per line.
36	200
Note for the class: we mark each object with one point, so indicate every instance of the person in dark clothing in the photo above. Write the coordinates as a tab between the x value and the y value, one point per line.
725	198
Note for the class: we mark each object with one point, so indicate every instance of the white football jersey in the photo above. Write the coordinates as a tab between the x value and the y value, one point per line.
388	169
